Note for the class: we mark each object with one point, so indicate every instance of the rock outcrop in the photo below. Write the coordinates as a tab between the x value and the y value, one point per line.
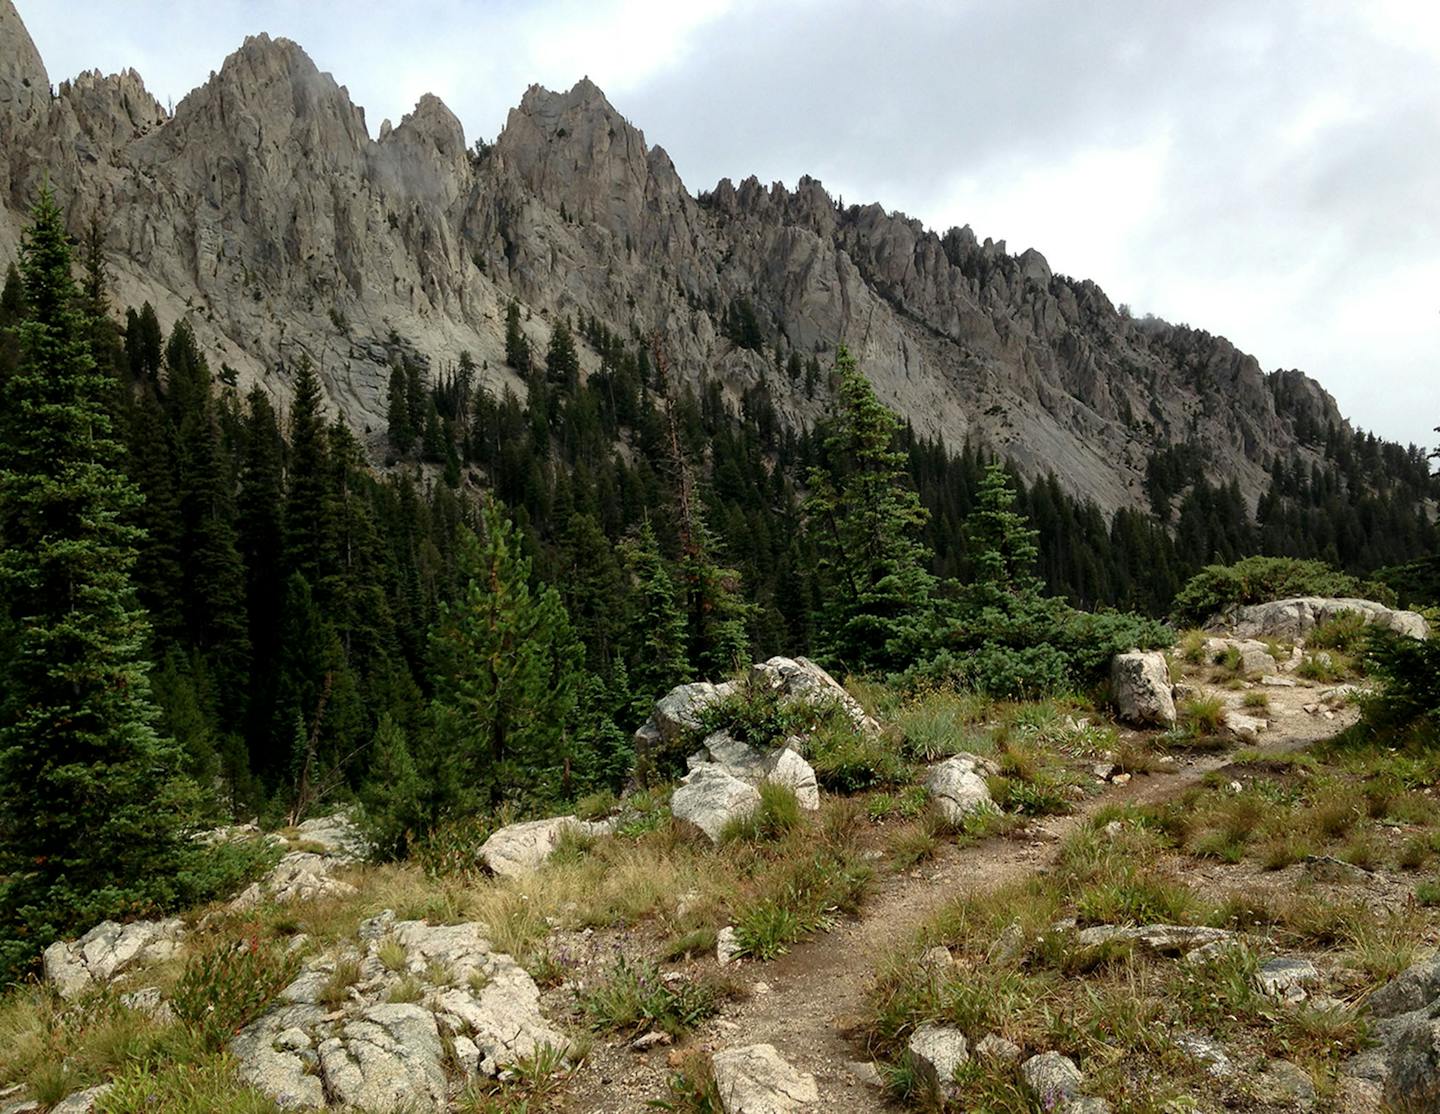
374	1053
1293	619
107	950
265	211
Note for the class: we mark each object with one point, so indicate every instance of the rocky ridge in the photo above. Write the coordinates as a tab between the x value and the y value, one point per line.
264	211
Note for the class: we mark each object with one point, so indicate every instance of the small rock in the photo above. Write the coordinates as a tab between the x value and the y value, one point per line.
83	1102
1105	770
1245	728
938	959
727	945
937	1053
995	1047
1328	869
866	1072
1208	1052
1286	1084
1008	946
1052	1077
1286	977
1121	779
1113	829
1087	1104
652	1039
1279	682
756	1080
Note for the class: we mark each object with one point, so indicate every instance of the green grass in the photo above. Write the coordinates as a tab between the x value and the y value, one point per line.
632	998
1202	715
776	816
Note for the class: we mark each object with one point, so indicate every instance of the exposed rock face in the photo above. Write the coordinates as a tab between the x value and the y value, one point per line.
264	209
1405	1063
957	786
756	1080
107	950
374	1054
1293	619
1140	686
677	714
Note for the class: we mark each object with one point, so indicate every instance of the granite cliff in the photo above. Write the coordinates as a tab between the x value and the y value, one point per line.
264	210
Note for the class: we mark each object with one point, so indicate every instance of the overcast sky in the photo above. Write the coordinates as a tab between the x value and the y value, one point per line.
1267	171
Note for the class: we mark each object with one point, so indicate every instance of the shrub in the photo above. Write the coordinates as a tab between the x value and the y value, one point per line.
1325	667
1216	588
633	998
453	846
225	987
762	716
847	761
777	814
1344	632
1202	715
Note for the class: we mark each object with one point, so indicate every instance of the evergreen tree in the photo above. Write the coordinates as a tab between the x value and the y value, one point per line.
657	627
399	428
144	342
562	363
308	512
504	665
93	807
1003	546
865	521
517	345
392	800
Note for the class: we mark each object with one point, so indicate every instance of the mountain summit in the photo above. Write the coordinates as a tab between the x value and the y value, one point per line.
265	212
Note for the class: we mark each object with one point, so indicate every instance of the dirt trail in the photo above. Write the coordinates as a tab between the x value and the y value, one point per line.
809	1002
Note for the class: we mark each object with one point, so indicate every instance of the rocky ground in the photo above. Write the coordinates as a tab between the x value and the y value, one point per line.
1217	909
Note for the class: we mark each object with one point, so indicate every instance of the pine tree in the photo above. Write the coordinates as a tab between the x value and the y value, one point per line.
143	343
657	627
1003	546
504	664
866	521
392	799
93	807
399	428
517	345
309	542
562	364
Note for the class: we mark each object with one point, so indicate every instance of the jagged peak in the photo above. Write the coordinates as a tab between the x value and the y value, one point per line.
24	81
430	121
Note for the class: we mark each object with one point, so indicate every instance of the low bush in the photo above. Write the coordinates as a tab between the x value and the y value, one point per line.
1344	632
776	816
225	987
633	998
1202	715
1215	588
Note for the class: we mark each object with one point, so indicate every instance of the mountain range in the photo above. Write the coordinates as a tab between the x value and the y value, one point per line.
264	211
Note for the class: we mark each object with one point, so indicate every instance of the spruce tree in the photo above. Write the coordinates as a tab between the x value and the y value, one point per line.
657	626
93	806
562	363
392	799
504	666
309	541
399	428
865	521
517	345
1003	546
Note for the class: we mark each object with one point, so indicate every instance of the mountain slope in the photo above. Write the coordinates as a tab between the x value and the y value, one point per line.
264	211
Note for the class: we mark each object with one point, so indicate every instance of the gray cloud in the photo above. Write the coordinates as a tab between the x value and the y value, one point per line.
1265	171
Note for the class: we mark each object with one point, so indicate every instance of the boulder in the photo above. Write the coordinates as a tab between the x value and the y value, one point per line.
1140	686
107	950
82	1102
1404	1064
786	767
756	1080
801	678
937	1051
370	1053
1293	619
710	798
677	714
299	876
1052	1078
520	849
957	785
336	836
